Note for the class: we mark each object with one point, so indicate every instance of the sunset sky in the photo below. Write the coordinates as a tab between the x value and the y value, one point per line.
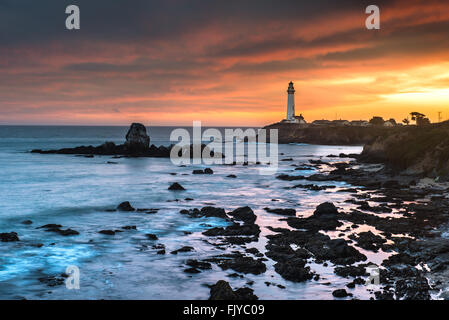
222	62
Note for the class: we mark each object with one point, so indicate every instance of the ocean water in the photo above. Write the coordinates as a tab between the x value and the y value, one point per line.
79	193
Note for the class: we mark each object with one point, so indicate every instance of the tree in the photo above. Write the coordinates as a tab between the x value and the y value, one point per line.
419	118
406	121
377	121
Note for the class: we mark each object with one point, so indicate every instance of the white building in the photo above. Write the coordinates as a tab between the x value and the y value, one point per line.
291	118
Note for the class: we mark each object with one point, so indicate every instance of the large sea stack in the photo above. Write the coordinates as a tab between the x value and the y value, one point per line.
137	139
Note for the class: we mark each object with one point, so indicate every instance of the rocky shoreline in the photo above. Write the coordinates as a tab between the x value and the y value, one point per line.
412	234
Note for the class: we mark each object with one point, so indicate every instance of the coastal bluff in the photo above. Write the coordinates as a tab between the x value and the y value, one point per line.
328	135
410	150
413	150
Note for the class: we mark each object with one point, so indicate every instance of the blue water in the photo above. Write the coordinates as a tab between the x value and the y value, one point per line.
78	193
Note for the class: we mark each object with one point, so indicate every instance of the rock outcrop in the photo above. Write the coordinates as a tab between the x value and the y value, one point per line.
136	145
223	291
137	139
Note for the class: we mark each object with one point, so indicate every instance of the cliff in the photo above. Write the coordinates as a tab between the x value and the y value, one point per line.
328	135
413	150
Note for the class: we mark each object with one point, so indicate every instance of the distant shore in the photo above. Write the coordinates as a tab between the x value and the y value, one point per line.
329	134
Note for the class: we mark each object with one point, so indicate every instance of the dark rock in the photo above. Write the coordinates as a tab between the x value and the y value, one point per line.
208	171
199	264
9	237
293	270
326	208
125	206
53	281
107	232
353	271
183	249
416	288
223	291
286	177
240	240
68	232
27	222
192	270
340	293
151	236
198	171
137	139
234	230
231	176
244	214
57	229
282	212
313	187
240	263
368	241
213	212
129	228
400	258
176	187
50	226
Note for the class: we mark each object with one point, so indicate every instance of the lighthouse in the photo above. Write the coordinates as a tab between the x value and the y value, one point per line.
291	117
291	102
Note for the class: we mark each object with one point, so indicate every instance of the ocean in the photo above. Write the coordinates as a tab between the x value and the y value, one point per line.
80	193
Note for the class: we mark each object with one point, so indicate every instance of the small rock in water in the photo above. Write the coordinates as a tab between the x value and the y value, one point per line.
176	187
129	228
107	232
68	232
208	171
27	222
192	270
151	236
53	281
233	176
9	237
57	229
183	249
125	206
199	264
340	293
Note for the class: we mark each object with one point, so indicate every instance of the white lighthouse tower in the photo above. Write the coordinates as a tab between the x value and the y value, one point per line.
291	117
291	102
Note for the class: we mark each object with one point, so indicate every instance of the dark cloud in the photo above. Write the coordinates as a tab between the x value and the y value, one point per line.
130	53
